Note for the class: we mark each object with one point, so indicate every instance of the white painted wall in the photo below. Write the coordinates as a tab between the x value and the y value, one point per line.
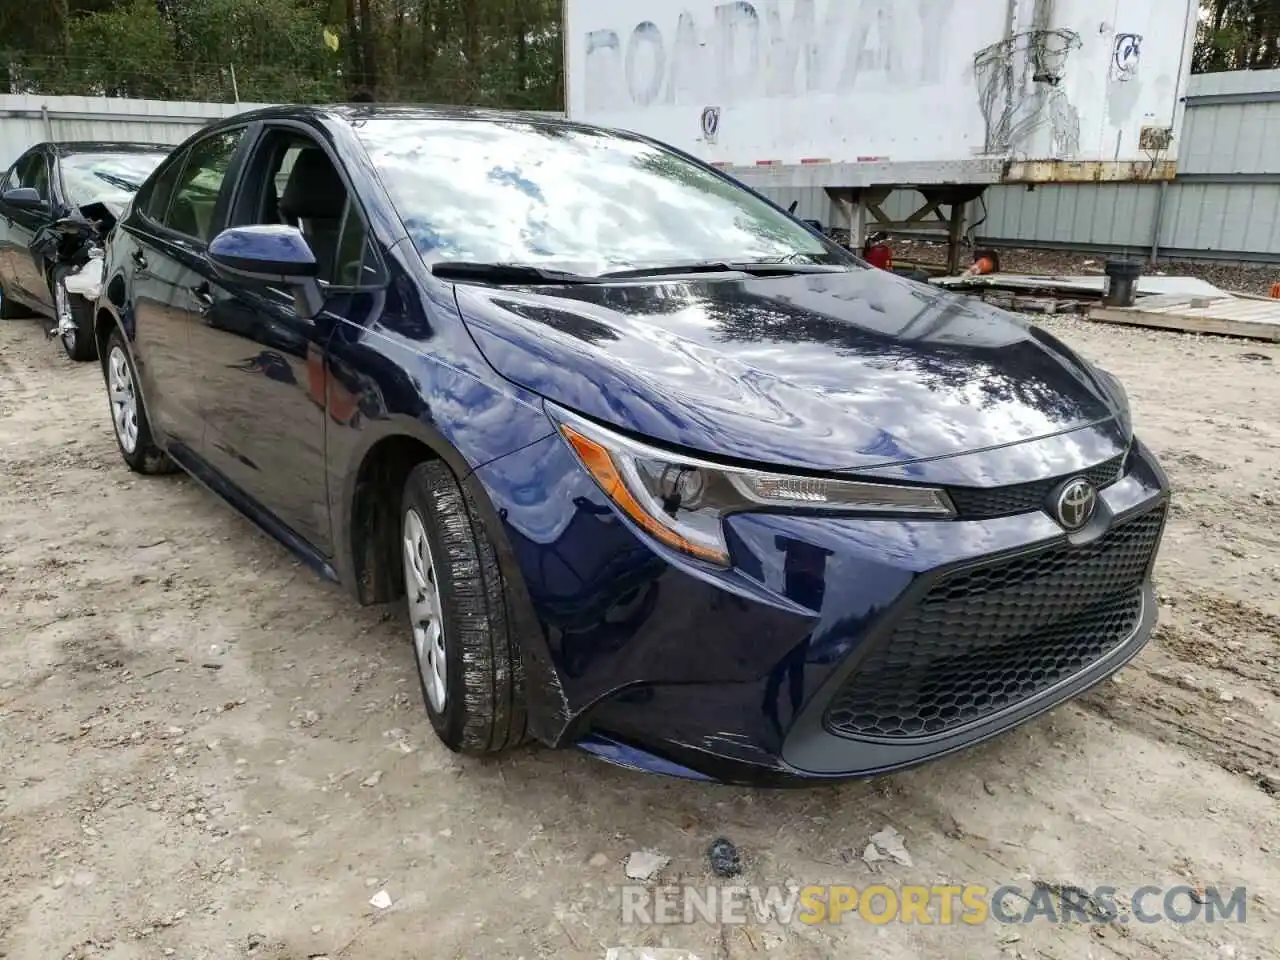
845	80
26	120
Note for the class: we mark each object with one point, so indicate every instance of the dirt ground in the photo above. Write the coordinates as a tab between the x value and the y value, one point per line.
205	752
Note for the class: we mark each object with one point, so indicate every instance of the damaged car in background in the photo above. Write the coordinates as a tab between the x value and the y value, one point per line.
57	204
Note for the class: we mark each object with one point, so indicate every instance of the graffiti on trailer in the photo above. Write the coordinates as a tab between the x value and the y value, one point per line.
710	123
746	50
1127	55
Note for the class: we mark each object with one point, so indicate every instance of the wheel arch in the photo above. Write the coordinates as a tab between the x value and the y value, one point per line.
370	519
367	534
104	321
367	522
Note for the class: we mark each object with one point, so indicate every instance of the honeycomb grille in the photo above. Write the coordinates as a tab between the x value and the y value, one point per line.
988	638
973	503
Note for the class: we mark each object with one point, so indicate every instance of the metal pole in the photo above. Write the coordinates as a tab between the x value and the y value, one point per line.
235	90
1159	222
48	123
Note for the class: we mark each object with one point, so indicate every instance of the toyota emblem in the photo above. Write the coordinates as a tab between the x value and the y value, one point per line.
1076	503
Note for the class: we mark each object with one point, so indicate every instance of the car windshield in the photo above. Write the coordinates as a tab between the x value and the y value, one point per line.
106	177
573	199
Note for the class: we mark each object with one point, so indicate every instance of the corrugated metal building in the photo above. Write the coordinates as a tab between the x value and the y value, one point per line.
26	120
1225	203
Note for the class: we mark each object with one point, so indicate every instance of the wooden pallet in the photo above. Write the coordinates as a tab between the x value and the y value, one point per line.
1226	316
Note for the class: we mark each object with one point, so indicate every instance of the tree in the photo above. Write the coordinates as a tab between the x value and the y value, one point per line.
1237	35
485	52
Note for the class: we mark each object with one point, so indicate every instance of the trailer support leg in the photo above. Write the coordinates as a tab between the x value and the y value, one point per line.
851	213
955	234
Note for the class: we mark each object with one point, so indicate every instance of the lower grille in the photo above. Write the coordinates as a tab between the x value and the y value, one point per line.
988	638
975	503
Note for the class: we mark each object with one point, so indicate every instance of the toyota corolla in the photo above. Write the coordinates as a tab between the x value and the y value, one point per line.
653	468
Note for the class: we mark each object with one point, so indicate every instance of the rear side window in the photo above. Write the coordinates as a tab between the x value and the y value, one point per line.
195	193
155	201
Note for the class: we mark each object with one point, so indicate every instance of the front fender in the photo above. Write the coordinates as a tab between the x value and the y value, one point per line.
382	387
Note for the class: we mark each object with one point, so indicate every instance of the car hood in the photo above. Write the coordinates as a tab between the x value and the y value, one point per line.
831	371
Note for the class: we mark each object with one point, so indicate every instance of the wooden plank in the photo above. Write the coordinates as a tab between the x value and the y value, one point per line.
1253	311
1191	322
1228	311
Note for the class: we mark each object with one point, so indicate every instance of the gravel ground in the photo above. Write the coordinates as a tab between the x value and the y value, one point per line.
205	752
1234	277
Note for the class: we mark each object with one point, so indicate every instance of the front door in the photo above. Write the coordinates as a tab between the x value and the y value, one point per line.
259	365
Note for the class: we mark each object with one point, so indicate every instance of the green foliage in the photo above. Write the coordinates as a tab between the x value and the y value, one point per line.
130	45
276	45
490	52
1237	35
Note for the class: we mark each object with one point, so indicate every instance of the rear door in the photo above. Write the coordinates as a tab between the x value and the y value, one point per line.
6	222
24	276
171	225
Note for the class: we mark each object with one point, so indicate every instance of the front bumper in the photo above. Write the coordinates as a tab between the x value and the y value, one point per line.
835	647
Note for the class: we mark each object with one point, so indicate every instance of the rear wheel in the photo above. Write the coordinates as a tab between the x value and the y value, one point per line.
128	413
468	659
74	316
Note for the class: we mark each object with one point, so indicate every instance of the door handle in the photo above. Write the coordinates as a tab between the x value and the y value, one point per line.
139	259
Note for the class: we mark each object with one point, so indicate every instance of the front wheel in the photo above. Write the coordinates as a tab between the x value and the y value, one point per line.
468	658
128	414
74	317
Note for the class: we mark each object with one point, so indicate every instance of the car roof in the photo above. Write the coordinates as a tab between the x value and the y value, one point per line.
351	112
65	148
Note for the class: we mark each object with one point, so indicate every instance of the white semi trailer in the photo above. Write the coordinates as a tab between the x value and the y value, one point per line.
862	97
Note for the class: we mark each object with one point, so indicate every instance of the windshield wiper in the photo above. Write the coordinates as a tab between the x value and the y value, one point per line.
504	273
115	181
756	268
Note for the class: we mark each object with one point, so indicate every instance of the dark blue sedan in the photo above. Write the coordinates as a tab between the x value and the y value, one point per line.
657	470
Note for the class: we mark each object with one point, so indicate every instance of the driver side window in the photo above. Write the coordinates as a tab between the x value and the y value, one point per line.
292	181
33	171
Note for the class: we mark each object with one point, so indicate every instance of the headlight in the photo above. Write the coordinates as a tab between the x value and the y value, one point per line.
682	500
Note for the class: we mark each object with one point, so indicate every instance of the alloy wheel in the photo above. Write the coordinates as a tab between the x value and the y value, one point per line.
124	399
424	610
62	310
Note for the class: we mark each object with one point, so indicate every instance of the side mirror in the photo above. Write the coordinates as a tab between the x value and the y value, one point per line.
270	253
25	198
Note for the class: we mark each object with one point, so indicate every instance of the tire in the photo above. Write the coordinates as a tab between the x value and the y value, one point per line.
11	310
456	601
79	344
128	412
